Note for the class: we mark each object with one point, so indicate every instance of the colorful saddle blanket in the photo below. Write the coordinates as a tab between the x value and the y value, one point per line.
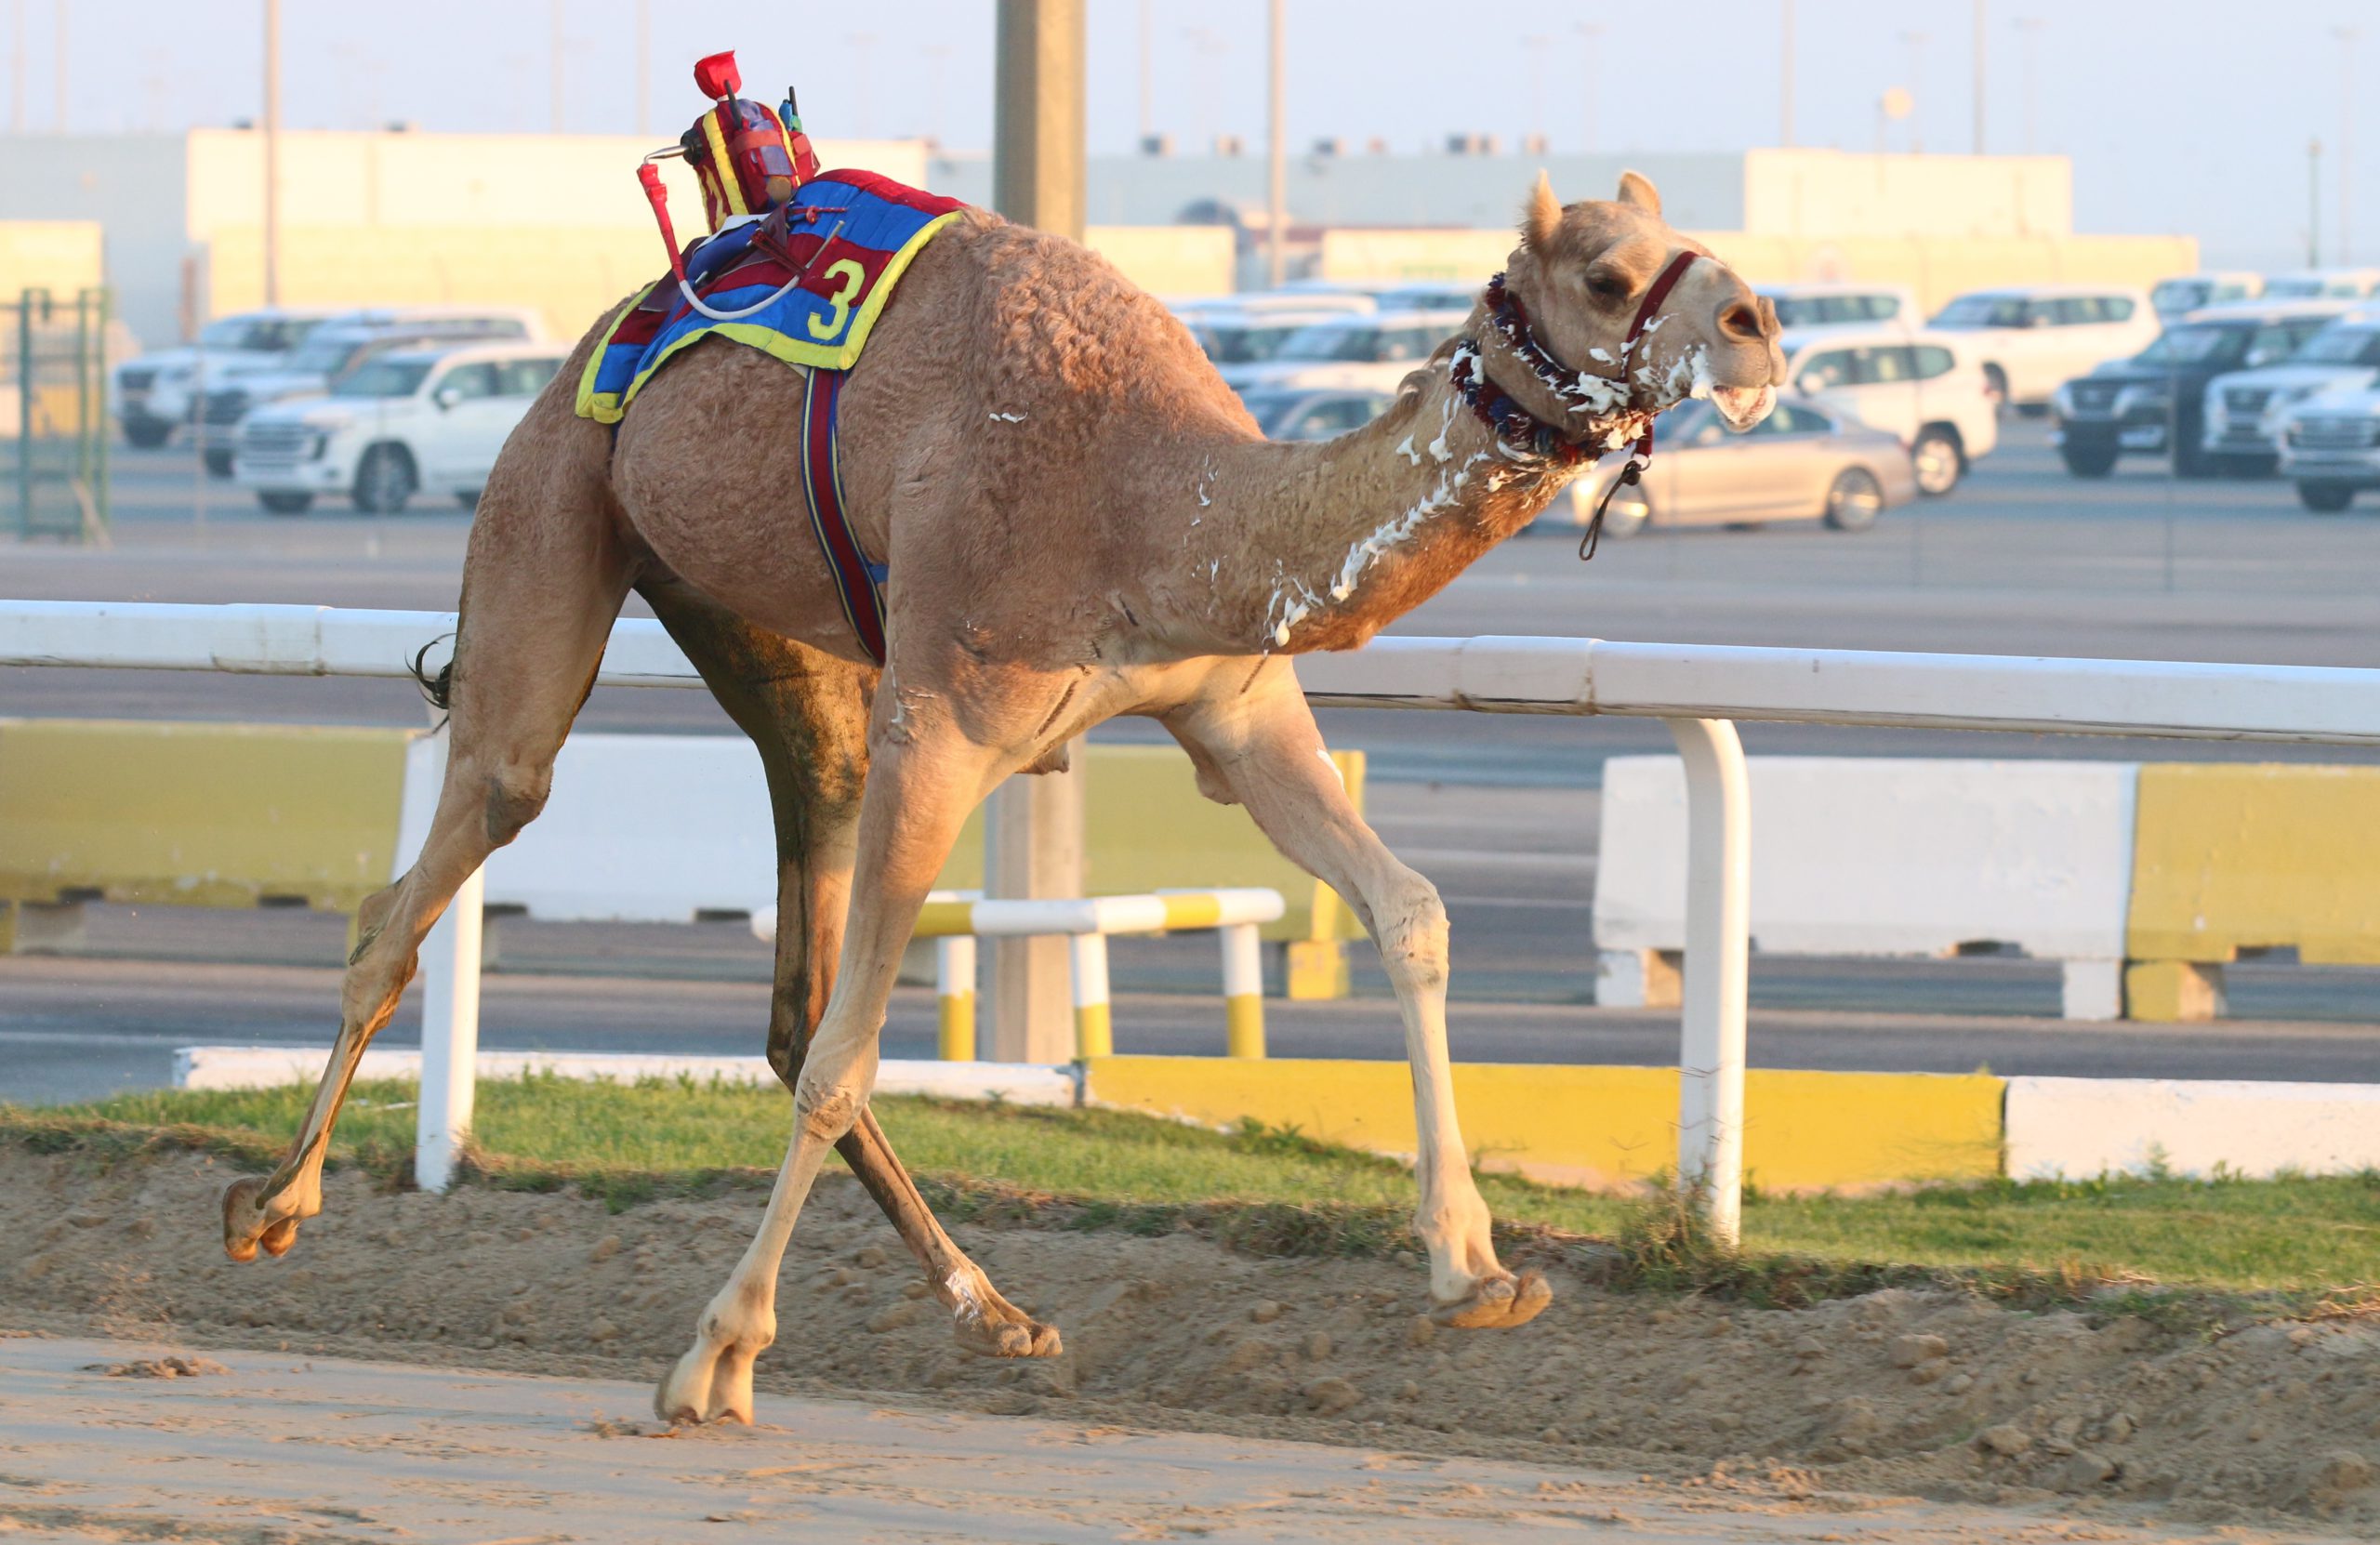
843	243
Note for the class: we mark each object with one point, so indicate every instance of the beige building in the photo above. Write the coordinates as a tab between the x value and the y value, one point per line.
554	222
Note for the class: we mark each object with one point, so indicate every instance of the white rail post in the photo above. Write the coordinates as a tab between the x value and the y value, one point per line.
954	958
1095	1037
1718	926
1243	991
450	1036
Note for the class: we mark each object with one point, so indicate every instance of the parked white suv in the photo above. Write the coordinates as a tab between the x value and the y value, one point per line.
1375	351
1800	308
156	394
1916	385
2329	446
406	420
2183	294
2244	408
338	346
2033	337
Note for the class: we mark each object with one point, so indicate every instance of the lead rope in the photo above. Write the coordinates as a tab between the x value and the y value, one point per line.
1640	455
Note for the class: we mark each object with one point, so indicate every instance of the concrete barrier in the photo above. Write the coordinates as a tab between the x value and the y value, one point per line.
2079	1128
1880	856
2236	860
1604	1126
241	1067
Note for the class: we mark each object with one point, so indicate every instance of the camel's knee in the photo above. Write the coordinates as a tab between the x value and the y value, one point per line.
515	795
1409	923
826	1107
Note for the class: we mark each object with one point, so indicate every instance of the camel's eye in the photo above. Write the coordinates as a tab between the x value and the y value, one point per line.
1605	285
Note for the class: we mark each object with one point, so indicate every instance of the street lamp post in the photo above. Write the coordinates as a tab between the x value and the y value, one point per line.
1276	153
1593	33
1785	77
2347	37
273	153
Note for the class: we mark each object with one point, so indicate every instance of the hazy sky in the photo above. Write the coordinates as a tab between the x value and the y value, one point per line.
2182	116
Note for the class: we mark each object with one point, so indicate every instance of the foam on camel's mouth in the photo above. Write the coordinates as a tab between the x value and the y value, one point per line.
1743	407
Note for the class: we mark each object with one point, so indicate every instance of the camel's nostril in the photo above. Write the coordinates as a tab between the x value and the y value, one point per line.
1741	320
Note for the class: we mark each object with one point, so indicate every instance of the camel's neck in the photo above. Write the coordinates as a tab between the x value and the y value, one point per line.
1319	546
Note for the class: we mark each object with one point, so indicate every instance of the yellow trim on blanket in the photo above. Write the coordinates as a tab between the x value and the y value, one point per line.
604	409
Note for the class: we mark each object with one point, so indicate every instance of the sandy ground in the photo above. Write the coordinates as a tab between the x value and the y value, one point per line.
267	1446
2107	1422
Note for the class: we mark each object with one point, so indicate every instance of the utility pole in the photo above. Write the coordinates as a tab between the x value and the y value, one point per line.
17	57
1593	33
557	65
59	42
1982	50
1033	825
1148	122
273	153
1785	79
1916	41
2028	28
1276	152
2347	37
643	68
2314	203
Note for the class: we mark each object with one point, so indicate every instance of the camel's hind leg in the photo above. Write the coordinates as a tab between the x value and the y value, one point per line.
807	712
1259	742
542	582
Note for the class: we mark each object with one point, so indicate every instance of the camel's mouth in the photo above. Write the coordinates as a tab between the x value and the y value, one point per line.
1743	407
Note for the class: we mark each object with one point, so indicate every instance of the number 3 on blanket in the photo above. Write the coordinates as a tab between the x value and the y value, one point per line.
853	276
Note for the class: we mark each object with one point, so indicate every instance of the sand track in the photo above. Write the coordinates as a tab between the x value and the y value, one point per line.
1895	1394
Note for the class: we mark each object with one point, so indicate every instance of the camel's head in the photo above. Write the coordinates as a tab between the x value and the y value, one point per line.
1583	273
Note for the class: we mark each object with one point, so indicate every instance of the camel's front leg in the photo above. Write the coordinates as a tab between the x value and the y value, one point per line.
921	782
1262	747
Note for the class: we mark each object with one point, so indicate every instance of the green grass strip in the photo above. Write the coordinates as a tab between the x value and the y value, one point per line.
2303	1241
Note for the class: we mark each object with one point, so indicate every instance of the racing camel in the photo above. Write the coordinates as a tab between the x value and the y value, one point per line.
1080	520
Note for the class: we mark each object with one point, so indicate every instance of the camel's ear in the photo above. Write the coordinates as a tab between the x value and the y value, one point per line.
1542	218
1637	189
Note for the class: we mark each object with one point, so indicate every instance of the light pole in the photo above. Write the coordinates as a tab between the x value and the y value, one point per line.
16	58
2314	203
273	153
1276	153
556	89
2028	28
1148	122
643	68
59	42
1981	58
1593	33
1785	76
2347	37
1033	825
1537	47
1916	43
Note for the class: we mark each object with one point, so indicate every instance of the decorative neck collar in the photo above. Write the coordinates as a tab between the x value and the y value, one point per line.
1599	400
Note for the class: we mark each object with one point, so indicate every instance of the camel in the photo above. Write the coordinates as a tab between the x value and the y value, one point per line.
1080	520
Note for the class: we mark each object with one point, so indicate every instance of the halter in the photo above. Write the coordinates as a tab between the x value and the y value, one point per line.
1575	390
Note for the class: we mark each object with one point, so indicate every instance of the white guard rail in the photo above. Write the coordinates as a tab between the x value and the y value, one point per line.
1697	690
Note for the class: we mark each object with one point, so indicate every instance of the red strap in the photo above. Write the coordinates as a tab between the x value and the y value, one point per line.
1652	304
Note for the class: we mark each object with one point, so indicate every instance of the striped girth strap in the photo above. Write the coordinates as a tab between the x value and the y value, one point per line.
859	582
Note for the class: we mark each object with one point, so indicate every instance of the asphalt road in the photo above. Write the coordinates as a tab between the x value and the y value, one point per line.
1500	810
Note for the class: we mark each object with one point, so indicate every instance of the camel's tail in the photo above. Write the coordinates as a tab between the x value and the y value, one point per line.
438	688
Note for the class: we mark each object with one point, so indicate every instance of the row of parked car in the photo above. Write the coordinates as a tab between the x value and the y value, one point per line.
373	405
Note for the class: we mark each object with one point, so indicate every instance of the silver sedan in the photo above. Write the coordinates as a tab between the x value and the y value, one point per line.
1798	463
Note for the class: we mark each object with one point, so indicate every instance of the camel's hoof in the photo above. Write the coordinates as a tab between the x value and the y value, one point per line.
244	1219
276	1240
1498	1303
1008	1337
698	1391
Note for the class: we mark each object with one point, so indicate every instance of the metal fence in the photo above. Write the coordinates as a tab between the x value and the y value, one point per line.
56	366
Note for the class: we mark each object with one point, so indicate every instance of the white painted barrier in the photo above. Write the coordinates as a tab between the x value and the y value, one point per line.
1882	856
637	828
240	1067
955	919
2079	1128
1698	690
